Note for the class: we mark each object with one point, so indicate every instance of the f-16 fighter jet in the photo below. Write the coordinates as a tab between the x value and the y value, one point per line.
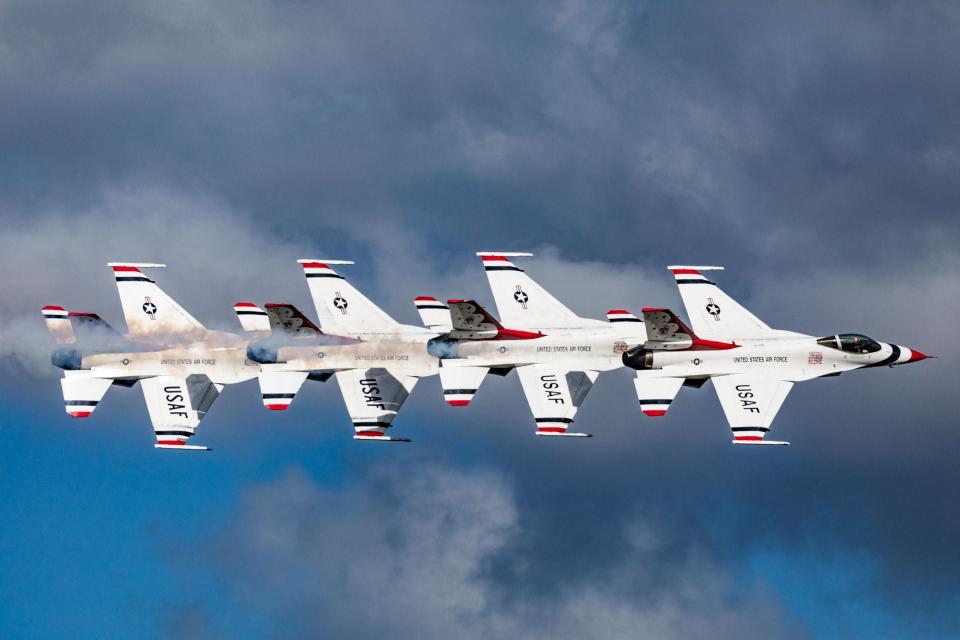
375	360
181	365
557	354
753	367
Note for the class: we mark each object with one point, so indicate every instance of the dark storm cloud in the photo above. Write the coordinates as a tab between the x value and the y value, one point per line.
827	130
812	150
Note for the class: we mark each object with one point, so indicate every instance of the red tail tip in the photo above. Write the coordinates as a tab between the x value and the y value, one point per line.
277	407
458	403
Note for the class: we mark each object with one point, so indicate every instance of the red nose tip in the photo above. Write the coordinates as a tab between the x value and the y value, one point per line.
916	356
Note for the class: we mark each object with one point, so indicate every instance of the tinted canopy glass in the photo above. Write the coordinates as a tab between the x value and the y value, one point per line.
856	343
851	343
829	341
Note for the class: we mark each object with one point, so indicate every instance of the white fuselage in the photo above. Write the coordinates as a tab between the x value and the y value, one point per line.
222	357
594	348
400	352
795	359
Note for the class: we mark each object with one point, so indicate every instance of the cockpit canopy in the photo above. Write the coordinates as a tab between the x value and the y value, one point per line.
851	343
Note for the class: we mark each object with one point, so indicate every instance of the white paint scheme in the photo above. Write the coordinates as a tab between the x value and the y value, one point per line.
752	366
558	355
252	318
434	314
375	360
181	365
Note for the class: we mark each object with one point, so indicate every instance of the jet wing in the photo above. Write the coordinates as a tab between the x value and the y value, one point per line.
373	398
750	404
554	395
176	405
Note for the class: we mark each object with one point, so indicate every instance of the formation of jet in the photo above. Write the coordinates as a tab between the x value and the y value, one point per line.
752	366
181	365
376	361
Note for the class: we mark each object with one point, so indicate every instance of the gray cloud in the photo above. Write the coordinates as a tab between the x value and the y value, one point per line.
411	555
748	132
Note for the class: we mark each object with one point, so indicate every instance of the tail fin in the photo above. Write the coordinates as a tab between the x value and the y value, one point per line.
58	324
714	314
81	395
521	302
252	318
434	314
147	310
340	307
470	321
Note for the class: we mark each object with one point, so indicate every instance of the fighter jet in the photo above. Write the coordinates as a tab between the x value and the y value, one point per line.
752	366
375	360
557	354
181	365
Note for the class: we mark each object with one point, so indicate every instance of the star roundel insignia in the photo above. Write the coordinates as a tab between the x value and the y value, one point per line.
713	309
340	302
520	296
149	308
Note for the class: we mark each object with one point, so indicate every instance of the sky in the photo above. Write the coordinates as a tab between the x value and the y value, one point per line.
810	148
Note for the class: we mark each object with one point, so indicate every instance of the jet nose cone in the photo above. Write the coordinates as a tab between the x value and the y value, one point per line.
917	356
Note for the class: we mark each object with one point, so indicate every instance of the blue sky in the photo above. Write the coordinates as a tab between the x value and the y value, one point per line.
811	150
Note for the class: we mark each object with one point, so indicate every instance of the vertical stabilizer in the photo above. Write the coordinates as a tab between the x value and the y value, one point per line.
147	309
342	309
713	314
521	302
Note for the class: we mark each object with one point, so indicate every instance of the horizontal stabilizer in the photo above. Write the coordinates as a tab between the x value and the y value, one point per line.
279	388
81	396
58	324
460	384
656	394
252	318
433	313
621	315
